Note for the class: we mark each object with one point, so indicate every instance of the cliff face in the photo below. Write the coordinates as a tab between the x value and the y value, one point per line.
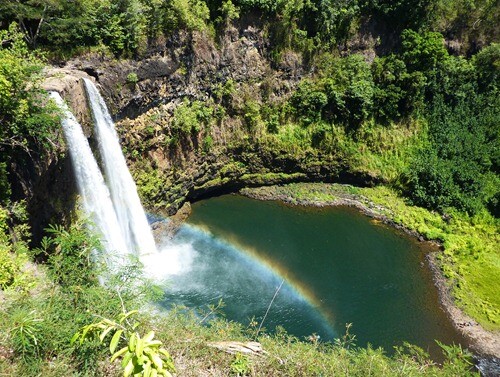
226	78
68	83
220	142
188	65
46	180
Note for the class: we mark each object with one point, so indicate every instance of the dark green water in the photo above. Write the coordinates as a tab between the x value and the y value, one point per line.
338	268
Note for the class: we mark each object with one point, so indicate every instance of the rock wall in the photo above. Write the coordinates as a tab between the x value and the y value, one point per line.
68	83
144	94
47	181
188	65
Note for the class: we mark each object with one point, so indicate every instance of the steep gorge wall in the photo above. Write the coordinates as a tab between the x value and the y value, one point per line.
227	153
45	180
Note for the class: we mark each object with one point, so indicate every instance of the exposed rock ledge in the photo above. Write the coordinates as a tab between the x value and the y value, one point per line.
68	83
485	343
166	229
482	341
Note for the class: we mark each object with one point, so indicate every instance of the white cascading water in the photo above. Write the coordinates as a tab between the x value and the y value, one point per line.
91	186
128	208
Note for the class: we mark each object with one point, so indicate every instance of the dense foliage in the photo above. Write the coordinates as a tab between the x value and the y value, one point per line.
459	167
27	122
126	27
422	115
457	98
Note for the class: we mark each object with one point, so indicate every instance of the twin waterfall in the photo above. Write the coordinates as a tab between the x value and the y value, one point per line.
113	205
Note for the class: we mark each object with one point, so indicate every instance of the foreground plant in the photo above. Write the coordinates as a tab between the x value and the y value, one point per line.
140	355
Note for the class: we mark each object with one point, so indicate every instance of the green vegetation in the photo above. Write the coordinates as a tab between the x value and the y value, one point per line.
422	116
422	120
140	356
28	124
128	27
121	27
190	117
44	306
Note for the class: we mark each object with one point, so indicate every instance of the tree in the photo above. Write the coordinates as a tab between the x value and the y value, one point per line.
399	14
308	102
487	64
398	93
459	166
30	15
27	123
422	52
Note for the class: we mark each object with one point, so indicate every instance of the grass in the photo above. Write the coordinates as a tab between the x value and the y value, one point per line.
470	260
386	152
286	355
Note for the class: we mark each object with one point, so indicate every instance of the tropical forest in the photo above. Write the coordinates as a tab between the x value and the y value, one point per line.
249	188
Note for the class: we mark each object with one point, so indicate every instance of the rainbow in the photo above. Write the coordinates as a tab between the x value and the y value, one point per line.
279	271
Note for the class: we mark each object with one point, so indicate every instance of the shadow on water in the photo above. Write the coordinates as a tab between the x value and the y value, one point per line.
338	267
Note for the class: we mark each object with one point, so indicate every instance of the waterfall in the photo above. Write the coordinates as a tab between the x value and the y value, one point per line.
128	208
95	195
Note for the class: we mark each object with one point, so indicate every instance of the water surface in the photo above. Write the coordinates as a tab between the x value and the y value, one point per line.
338	267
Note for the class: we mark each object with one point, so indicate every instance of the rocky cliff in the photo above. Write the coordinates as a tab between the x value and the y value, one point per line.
186	116
46	180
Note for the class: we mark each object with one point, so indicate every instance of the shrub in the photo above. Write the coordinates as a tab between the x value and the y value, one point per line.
132	78
422	52
308	102
398	93
69	254
487	65
140	356
189	117
189	14
9	269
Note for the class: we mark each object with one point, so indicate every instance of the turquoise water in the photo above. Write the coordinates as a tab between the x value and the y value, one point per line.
338	267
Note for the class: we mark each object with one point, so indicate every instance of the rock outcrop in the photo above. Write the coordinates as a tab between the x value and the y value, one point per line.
47	181
233	73
68	83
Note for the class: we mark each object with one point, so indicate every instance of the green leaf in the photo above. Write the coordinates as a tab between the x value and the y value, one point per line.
131	342
114	341
154	343
147	369
164	352
127	358
105	332
157	361
149	336
139	347
118	354
86	329
75	337
128	369
130	313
